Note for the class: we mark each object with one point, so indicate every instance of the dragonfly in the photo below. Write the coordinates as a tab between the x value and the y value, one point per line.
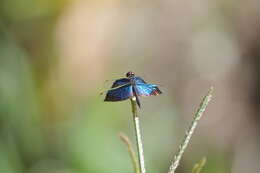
129	87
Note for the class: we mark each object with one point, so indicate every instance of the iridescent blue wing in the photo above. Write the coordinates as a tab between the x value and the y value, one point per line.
119	94
139	80
119	82
147	90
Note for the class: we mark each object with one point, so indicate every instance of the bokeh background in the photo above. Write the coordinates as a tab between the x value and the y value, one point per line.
55	56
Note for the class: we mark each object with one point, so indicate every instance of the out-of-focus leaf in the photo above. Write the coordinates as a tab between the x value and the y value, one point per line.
17	10
199	166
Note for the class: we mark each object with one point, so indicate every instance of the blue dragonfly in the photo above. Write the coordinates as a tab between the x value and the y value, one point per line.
129	87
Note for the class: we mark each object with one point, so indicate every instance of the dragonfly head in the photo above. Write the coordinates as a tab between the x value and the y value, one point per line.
130	74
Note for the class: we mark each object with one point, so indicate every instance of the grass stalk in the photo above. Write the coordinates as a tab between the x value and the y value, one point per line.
190	131
131	151
199	166
138	135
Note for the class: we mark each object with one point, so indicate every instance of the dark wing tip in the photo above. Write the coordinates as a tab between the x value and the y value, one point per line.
156	91
110	98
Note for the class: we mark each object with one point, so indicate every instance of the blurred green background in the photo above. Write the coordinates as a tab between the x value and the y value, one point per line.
55	56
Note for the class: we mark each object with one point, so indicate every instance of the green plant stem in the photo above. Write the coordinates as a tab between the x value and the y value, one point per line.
199	166
131	151
138	135
190	131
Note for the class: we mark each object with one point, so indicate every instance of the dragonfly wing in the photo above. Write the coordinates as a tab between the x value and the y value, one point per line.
119	82
119	94
139	80
147	90
135	92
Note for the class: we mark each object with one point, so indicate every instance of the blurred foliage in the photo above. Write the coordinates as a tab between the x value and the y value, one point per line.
44	129
30	10
199	166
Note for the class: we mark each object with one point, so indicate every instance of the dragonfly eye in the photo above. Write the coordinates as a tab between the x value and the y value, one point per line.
130	74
